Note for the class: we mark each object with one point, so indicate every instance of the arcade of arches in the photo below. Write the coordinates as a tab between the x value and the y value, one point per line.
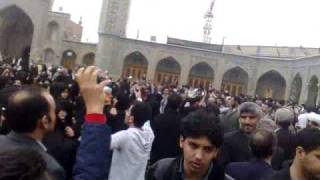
135	65
235	81
16	33
201	75
167	72
271	85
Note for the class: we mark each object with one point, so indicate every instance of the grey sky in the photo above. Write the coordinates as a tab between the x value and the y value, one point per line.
245	22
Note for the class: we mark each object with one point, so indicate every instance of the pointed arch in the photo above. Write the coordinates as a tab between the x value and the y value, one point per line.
135	65
271	85
201	75
313	91
69	58
89	59
16	34
235	81
168	72
295	90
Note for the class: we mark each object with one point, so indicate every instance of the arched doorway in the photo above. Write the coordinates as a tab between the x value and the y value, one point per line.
88	59
235	81
312	91
53	31
48	56
295	90
168	72
271	85
135	65
69	58
201	75
16	33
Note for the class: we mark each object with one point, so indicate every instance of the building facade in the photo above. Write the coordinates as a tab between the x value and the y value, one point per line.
284	73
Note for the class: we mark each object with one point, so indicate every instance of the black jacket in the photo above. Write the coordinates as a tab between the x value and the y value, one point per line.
285	150
169	169
235	148
62	148
252	170
14	140
166	128
284	174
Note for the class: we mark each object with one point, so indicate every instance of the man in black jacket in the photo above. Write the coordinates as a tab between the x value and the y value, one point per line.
262	144
31	115
166	128
236	144
200	139
306	164
284	117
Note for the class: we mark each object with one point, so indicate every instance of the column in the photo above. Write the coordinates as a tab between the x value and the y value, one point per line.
304	92
218	77
318	95
151	70
252	86
184	75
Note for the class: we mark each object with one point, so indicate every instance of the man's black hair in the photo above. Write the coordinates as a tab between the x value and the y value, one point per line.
25	108
262	143
23	164
202	124
308	139
141	112
57	88
174	102
238	100
284	124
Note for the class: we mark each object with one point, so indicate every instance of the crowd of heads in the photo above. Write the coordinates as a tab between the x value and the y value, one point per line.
49	99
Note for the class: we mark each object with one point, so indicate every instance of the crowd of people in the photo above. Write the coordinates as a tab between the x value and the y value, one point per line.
82	124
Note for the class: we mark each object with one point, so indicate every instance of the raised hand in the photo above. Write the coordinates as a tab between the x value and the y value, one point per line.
91	91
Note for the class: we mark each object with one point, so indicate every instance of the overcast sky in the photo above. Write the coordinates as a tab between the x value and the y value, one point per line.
244	22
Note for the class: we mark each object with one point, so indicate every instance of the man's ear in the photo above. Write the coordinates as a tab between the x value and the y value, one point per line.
44	122
181	141
300	152
131	119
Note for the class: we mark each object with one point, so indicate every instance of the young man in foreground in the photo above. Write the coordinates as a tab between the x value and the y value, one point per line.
200	139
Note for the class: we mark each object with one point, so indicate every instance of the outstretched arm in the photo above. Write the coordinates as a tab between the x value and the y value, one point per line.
92	157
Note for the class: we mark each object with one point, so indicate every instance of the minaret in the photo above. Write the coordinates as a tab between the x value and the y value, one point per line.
208	24
114	17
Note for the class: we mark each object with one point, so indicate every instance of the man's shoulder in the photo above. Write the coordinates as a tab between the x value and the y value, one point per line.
164	163
2	138
283	174
53	166
7	143
232	134
163	169
237	166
